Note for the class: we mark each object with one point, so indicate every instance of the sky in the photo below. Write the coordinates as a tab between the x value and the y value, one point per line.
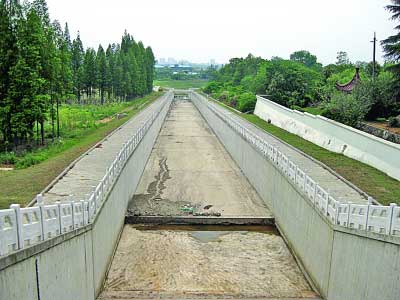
221	29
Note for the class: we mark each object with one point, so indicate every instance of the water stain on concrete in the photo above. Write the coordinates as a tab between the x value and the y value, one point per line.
152	203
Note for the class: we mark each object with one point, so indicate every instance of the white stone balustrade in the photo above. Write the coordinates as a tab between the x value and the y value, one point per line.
51	221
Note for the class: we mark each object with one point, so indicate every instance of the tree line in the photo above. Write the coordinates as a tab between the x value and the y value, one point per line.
42	67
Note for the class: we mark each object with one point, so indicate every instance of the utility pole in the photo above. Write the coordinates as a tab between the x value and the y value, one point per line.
374	57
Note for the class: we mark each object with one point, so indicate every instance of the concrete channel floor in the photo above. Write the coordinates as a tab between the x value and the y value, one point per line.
190	170
189	166
184	264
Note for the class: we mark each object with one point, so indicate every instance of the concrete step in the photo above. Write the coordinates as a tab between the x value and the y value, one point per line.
149	295
200	220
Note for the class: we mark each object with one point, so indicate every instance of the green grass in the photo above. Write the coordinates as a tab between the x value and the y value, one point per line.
181	84
377	184
75	122
20	186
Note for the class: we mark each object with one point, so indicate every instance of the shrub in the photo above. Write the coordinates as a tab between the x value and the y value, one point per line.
8	158
211	87
246	102
28	160
394	122
348	109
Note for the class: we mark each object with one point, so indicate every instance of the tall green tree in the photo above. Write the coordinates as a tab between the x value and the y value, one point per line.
62	67
342	58
89	72
150	61
110	57
8	59
391	45
306	58
77	66
102	72
29	104
67	37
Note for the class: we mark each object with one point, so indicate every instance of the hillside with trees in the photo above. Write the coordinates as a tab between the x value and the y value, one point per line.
42	68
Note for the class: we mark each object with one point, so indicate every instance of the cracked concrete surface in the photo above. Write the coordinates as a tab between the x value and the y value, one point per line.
189	166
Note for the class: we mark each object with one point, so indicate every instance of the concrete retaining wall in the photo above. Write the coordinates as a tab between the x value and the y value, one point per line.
74	265
342	264
333	136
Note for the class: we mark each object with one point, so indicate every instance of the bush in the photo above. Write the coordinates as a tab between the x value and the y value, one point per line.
383	96
346	108
394	122
211	87
8	158
246	102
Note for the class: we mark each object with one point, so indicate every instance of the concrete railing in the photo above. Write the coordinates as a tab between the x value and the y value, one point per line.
24	227
368	217
333	136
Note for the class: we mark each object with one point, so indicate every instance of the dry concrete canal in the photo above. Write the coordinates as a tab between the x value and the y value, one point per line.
190	175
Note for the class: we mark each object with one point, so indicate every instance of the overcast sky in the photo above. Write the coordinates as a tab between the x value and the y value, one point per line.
221	29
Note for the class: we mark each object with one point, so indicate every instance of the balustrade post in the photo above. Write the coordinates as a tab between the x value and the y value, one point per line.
391	216
39	201
18	217
348	214
58	203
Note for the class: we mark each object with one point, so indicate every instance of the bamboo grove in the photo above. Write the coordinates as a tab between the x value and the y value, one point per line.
41	68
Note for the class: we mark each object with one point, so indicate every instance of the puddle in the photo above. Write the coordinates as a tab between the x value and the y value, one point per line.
209	233
208	236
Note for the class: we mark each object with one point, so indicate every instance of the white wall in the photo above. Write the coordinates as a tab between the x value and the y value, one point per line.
333	136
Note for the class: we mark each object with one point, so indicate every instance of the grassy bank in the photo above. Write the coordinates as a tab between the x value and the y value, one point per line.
181	84
20	186
372	181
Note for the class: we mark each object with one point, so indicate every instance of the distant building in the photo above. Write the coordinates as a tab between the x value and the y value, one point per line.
162	61
181	68
171	61
212	62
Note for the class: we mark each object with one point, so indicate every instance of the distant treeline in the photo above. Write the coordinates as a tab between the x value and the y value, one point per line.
40	67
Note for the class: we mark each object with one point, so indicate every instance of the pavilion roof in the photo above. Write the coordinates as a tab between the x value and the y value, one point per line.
348	87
